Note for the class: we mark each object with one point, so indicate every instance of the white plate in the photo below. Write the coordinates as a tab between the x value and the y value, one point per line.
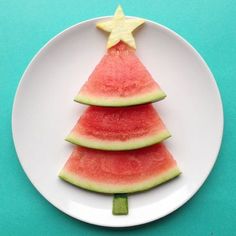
44	113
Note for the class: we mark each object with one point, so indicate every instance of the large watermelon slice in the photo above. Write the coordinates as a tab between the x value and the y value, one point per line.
121	171
120	79
115	128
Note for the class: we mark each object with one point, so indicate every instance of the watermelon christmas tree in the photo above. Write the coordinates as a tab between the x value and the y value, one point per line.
118	138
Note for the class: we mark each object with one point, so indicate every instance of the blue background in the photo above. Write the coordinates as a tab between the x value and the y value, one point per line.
210	26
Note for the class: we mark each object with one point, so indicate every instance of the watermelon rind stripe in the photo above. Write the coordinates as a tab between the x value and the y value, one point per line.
112	188
134	143
149	97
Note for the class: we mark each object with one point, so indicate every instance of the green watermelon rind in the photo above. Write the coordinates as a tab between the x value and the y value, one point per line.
120	205
125	188
112	145
89	99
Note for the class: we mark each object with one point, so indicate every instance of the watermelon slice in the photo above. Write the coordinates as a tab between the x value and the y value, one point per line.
114	128
120	79
121	171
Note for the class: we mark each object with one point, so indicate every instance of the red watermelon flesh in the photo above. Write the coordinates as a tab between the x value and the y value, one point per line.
121	171
115	128
120	79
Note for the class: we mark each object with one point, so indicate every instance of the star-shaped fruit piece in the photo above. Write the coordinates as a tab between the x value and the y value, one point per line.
120	29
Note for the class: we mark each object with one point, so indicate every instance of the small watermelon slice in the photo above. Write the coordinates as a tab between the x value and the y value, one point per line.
119	172
120	79
115	128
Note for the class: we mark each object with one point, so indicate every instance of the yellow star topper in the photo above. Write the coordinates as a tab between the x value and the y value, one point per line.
120	29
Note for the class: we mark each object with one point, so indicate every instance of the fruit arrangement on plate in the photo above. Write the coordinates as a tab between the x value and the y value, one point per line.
118	139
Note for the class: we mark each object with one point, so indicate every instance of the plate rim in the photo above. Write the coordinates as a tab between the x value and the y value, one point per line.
215	87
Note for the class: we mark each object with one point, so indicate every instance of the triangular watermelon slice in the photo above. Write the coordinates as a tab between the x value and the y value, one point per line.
120	79
119	128
121	171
